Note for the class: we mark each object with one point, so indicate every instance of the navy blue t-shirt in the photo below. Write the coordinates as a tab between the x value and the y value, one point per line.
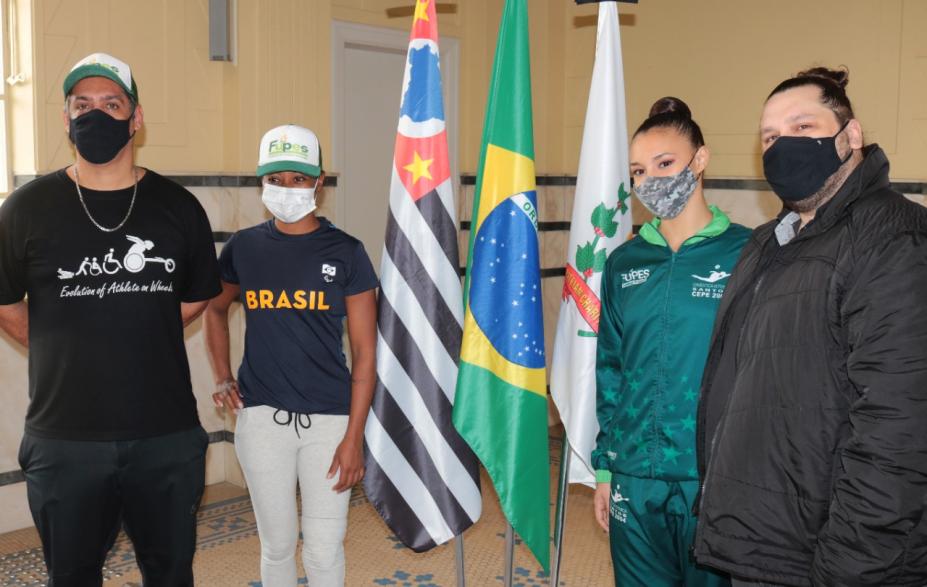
293	290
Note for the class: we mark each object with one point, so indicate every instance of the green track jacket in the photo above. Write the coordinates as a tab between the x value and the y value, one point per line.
658	309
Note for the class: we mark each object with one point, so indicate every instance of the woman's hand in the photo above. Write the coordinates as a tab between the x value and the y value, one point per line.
349	459
600	504
362	335
228	396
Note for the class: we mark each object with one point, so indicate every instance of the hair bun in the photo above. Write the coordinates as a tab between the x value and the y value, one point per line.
670	105
838	77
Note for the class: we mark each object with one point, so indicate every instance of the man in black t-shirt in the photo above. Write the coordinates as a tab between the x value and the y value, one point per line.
101	266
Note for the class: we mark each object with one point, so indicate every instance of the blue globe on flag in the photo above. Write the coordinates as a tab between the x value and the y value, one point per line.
505	294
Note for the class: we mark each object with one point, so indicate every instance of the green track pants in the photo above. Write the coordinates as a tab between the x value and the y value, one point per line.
650	529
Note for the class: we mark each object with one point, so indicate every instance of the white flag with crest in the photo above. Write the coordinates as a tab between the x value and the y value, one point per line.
601	221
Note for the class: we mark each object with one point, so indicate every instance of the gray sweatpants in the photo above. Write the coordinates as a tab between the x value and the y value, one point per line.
273	458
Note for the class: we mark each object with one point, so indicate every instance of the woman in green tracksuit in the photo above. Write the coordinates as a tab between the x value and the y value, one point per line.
660	292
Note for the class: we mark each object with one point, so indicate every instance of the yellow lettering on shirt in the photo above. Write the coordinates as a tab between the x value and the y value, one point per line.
267	298
299	299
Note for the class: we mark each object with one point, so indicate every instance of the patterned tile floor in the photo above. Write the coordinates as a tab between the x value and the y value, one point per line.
229	551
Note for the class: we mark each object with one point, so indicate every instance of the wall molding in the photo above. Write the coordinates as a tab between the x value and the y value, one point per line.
560	225
466	179
11	477
711	183
195	181
541	180
552	226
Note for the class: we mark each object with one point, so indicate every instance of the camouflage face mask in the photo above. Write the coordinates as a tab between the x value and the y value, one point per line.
666	197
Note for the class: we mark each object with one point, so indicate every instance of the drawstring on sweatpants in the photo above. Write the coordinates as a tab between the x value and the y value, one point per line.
295	419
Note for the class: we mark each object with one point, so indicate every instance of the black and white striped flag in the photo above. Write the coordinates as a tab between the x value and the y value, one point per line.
421	476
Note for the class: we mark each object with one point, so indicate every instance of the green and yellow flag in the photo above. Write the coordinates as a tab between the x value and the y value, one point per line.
500	407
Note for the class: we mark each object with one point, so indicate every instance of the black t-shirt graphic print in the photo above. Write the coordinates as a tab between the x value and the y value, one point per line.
106	353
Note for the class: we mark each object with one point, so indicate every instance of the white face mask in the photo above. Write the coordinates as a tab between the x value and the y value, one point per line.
289	204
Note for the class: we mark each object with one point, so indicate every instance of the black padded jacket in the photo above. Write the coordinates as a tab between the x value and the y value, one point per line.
813	425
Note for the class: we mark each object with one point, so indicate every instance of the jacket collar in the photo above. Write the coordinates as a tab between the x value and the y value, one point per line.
650	232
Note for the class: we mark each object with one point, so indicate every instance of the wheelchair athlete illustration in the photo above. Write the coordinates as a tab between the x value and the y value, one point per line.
133	261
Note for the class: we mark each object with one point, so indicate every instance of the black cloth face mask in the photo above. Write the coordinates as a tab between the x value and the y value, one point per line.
98	136
797	167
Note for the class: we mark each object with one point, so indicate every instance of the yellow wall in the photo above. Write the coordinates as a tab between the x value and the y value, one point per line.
165	42
722	57
21	97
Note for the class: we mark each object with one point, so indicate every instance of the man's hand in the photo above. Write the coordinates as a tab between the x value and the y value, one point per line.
228	396
349	458
603	493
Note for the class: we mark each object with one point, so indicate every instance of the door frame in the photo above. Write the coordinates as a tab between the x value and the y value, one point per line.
348	35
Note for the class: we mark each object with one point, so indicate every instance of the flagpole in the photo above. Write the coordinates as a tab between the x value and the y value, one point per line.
509	554
563	489
459	548
500	410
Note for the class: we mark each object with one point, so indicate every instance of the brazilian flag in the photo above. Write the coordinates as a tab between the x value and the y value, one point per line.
500	407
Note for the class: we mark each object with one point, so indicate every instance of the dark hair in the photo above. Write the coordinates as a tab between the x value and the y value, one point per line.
672	113
832	83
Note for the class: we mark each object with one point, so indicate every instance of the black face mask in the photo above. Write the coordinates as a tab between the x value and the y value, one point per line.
797	167
98	136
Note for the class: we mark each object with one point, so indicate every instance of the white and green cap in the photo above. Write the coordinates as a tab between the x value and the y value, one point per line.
102	65
290	148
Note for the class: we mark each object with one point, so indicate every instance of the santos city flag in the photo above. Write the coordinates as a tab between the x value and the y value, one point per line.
601	222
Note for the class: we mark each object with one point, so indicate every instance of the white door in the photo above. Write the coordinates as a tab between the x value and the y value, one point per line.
368	66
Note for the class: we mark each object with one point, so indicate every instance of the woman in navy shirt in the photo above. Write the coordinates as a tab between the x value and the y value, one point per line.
301	411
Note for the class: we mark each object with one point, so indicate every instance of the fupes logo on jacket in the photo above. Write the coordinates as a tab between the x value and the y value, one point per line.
711	285
634	277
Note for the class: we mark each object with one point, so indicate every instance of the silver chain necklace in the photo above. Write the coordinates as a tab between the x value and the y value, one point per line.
80	196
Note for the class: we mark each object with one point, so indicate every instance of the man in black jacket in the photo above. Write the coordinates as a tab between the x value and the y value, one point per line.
813	414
